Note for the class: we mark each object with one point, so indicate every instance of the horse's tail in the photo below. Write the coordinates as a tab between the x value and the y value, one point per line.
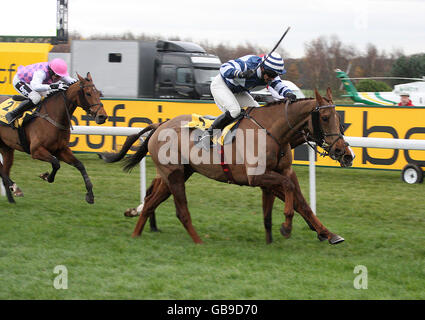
114	157
141	151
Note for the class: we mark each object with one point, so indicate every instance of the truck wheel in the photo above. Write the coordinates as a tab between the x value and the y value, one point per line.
412	174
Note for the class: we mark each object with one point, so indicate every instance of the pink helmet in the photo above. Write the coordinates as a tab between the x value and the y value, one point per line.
59	67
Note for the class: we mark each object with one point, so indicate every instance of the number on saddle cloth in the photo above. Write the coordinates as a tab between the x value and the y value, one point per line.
11	104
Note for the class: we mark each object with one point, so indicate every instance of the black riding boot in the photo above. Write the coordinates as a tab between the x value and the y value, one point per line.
220	123
15	114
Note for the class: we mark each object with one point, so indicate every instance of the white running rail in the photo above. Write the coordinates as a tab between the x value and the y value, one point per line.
380	143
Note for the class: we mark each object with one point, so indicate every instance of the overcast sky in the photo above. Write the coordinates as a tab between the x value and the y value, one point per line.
389	24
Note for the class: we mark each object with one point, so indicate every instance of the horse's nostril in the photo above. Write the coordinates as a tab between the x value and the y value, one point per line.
101	118
348	158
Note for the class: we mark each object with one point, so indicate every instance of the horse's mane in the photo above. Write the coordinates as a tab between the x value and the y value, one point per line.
51	94
273	103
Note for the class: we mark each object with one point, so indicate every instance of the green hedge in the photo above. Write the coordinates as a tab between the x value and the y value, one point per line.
369	85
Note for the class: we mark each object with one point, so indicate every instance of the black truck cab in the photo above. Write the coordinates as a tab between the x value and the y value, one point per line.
184	70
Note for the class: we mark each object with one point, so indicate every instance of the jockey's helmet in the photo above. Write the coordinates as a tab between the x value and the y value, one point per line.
274	63
59	67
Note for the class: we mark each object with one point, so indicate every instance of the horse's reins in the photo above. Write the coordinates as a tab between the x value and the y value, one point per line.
248	116
316	128
281	153
86	108
46	116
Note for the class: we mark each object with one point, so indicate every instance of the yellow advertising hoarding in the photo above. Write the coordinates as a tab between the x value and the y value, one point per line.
382	122
133	113
361	121
13	55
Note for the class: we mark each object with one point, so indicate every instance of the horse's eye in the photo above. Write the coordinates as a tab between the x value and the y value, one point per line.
89	94
325	118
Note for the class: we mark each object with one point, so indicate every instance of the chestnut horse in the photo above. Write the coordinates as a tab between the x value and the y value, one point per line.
46	136
309	132
279	121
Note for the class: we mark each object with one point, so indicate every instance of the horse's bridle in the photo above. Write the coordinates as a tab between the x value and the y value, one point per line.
318	135
87	107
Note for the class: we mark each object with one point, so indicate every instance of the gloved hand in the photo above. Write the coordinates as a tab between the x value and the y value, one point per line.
245	74
59	86
292	97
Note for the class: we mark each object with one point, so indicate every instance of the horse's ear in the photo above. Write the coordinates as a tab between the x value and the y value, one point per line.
89	76
329	94
319	98
80	78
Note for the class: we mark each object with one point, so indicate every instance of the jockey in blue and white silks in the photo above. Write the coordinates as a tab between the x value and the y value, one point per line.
230	88
231	71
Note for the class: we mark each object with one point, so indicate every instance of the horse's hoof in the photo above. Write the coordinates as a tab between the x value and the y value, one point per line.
44	176
336	239
321	238
131	213
90	198
285	232
18	193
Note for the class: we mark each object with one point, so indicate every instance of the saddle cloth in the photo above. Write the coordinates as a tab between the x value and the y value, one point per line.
204	122
9	105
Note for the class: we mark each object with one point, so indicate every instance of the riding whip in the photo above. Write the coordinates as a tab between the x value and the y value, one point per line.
275	47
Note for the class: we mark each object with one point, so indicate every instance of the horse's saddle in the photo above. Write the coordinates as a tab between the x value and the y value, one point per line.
204	122
11	104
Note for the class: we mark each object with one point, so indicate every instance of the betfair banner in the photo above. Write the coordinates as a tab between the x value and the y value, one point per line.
383	122
360	121
132	113
13	55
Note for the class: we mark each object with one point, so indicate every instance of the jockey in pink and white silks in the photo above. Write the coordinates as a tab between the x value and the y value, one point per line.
230	88
37	80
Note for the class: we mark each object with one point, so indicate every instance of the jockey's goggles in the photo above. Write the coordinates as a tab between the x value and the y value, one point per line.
270	73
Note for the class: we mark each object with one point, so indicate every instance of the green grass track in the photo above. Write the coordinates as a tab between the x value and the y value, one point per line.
381	218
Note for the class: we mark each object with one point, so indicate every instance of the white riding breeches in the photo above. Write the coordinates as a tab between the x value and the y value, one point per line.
226	100
26	90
